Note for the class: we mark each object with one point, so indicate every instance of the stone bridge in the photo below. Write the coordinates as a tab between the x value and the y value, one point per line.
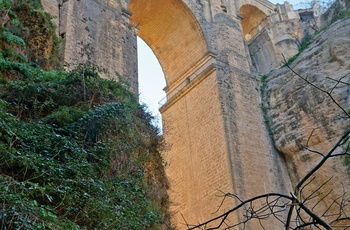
212	118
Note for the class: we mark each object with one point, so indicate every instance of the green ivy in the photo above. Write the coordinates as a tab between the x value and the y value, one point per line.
13	39
305	44
69	159
18	30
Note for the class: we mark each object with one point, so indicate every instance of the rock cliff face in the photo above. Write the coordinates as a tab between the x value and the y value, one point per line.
302	116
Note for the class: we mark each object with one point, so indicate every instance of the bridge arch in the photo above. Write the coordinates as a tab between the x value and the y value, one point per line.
172	32
265	6
252	18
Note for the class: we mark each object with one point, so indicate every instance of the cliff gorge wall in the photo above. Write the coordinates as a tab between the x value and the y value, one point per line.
302	116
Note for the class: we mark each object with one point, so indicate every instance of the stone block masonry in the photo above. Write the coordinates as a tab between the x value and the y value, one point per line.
97	32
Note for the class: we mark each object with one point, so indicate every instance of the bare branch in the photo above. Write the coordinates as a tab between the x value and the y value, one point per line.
185	221
340	80
309	182
310	197
308	139
315	86
345	136
315	217
314	151
322	199
224	216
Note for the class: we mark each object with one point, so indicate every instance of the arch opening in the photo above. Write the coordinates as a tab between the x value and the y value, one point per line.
253	21
172	32
151	80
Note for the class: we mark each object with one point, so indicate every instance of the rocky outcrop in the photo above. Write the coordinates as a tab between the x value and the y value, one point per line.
302	116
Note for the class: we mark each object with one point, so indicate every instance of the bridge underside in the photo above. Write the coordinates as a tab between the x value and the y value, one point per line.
172	32
252	17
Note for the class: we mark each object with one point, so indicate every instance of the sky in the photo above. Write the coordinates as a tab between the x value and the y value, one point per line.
151	77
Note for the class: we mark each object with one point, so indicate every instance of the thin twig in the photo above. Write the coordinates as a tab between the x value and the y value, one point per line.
345	135
316	87
225	215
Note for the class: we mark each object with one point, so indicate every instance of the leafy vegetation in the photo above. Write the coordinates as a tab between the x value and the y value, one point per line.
70	160
24	22
304	44
264	106
76	151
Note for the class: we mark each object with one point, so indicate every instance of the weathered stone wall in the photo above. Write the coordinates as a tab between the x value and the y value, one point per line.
302	116
98	32
250	152
198	164
274	44
212	118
